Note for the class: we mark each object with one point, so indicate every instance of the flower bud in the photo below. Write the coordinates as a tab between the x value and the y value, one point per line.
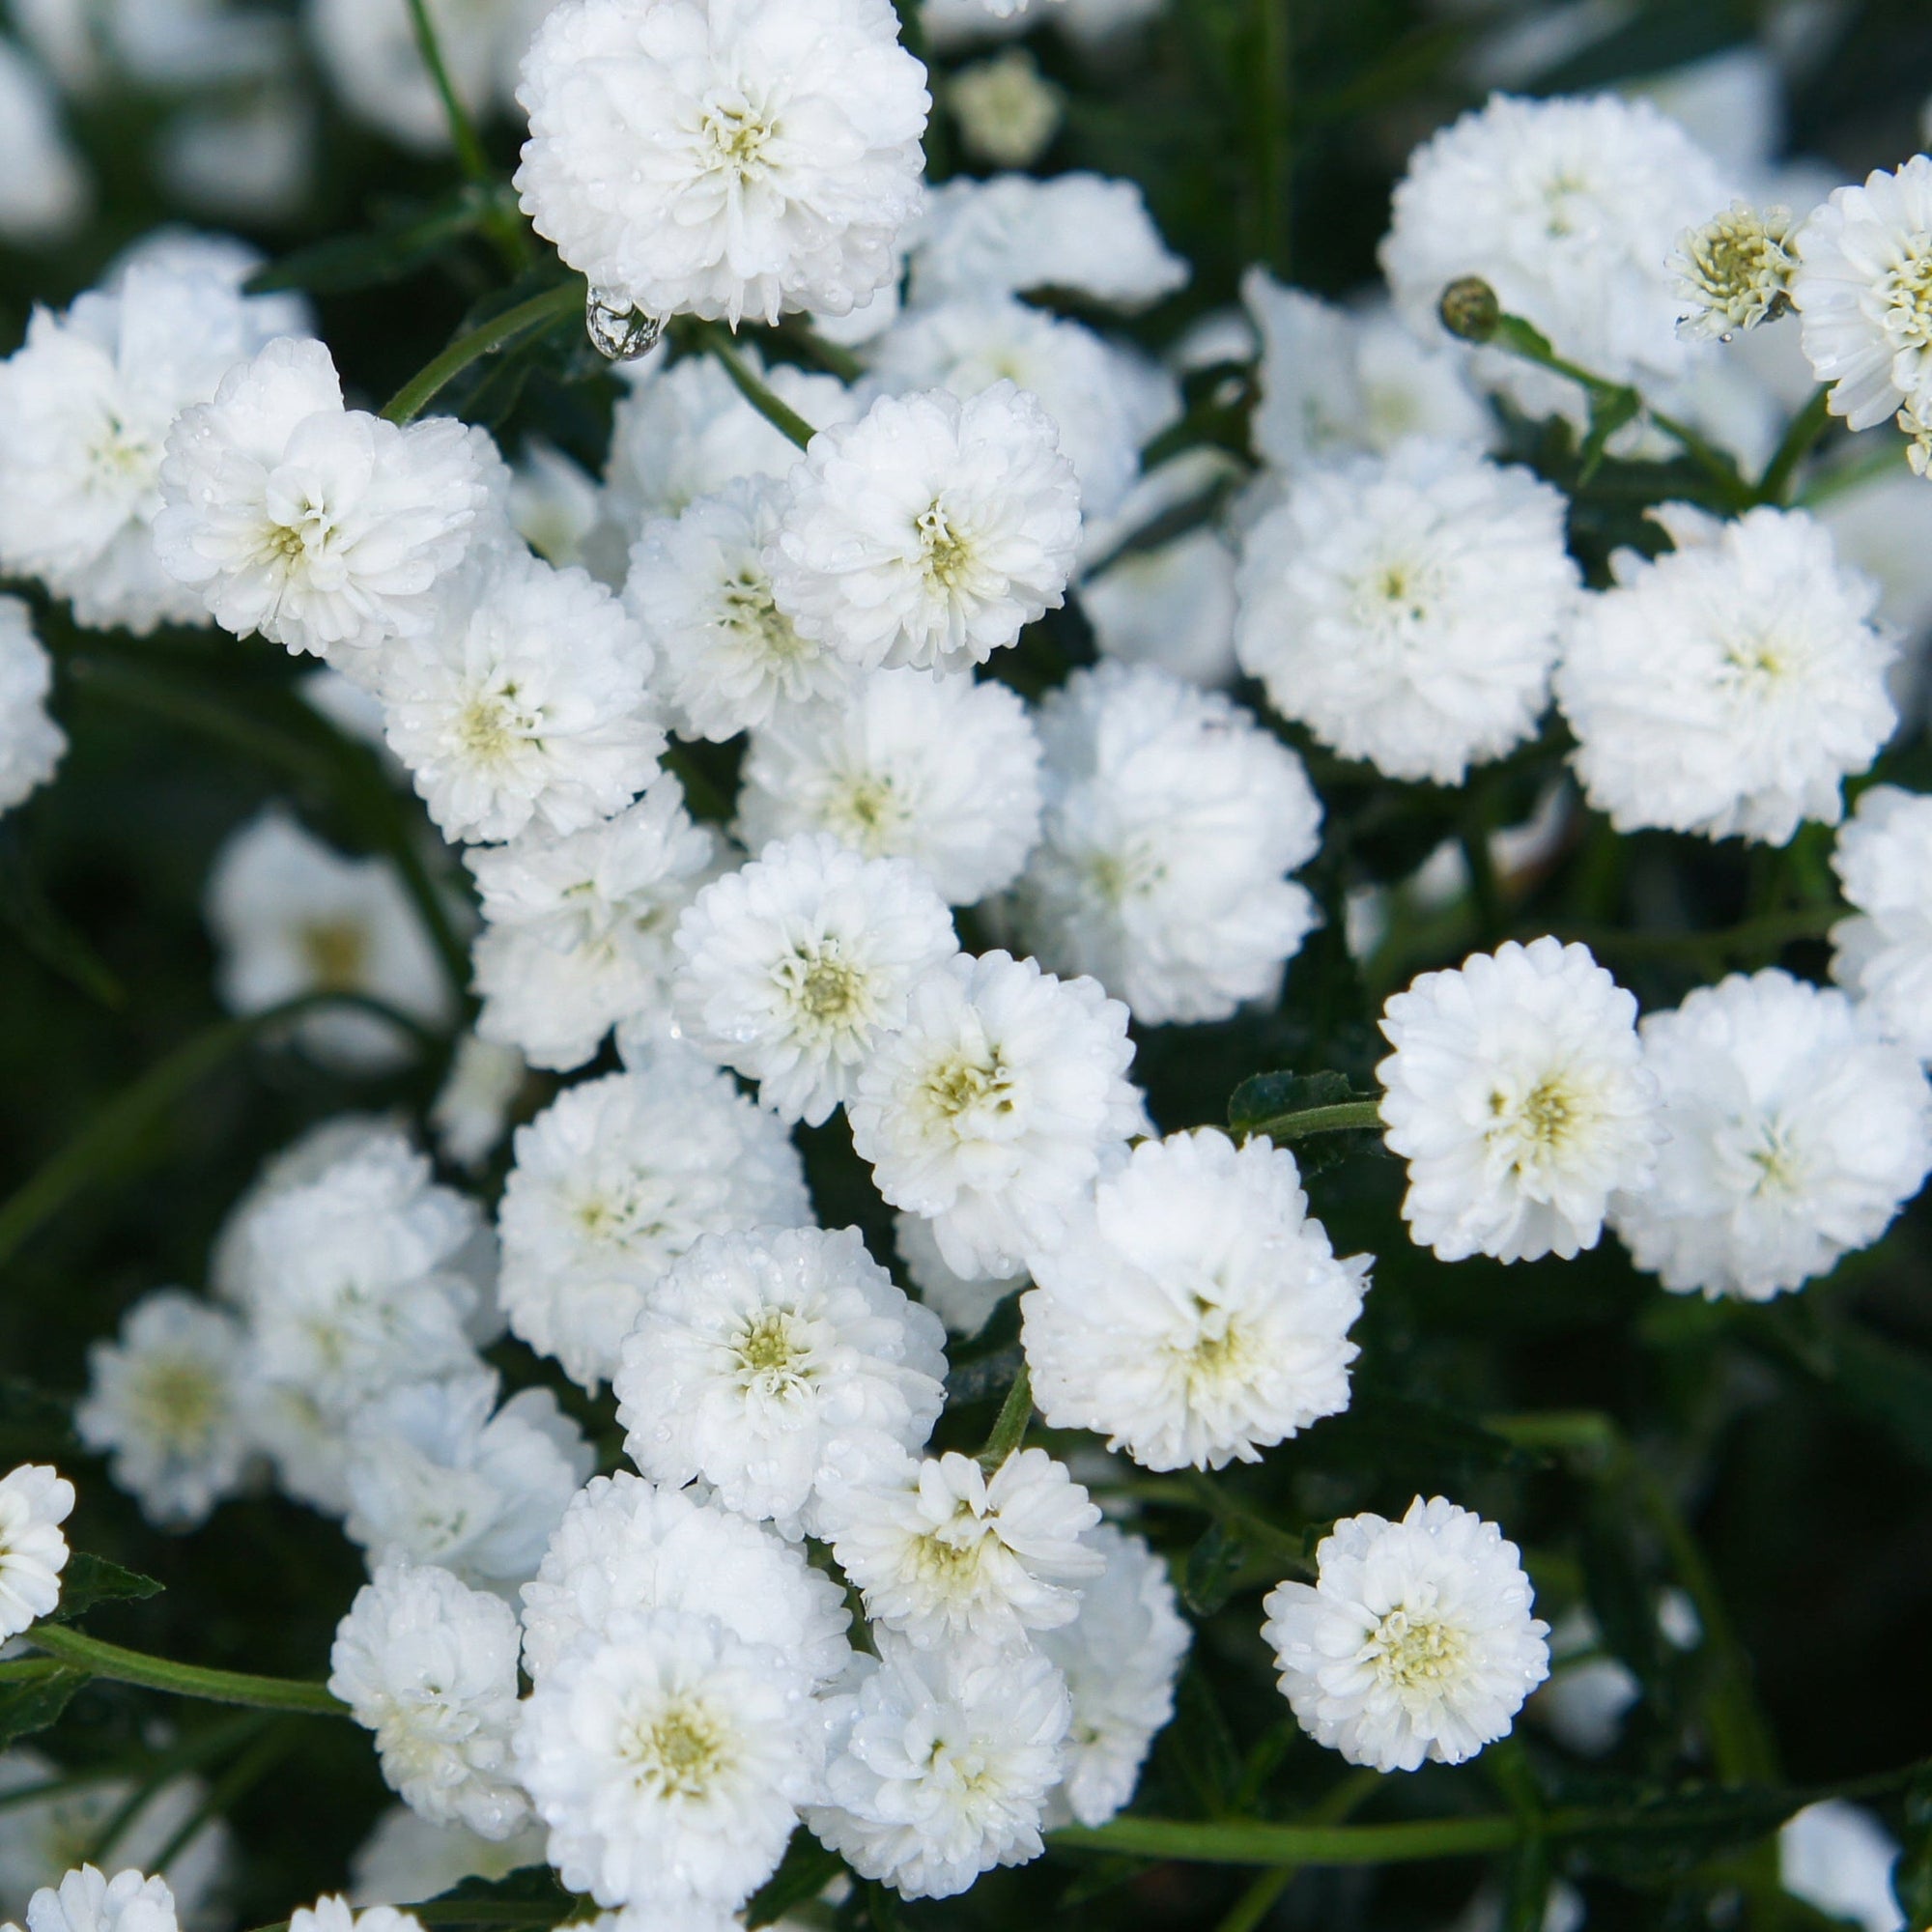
1469	308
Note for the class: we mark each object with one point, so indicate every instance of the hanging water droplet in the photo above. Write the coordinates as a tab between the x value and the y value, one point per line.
618	331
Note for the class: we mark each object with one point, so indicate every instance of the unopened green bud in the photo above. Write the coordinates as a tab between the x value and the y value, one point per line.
1469	308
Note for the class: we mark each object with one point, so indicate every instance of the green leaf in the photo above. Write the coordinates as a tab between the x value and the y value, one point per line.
1212	1570
1199	1747
804	1871
1884	1381
528	1897
88	1581
33	1694
1611	409
1665	1837
1266	1096
396	248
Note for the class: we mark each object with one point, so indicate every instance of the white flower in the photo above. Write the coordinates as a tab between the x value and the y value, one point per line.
1838	1859
1172	820
1104	401
290	917
430	1666
332	1913
323	529
942	1552
406	1858
524	704
964	1302
993	1112
435	1476
1119	1656
85	408
554	505
1408	609
943	772
1416	1642
168	1404
797	966
683	431
1196	1314
1172	607
1333	382
577	935
84	1901
1863	293
723	158
1728	686
626	1544
1008	111
668	1756
357	1277
1735	270
43	184
941	1763
764	1361
35	1500
31	744
1884	955
1569	209
471	1111
54	1831
701	588
614	1181
1518	1097
932	531
1795	1134
1080	233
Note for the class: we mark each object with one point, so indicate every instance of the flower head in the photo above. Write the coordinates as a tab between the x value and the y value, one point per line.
796	967
35	1500
1416	1640
31	744
1735	270
85	1901
1517	1097
932	531
724	157
1884	952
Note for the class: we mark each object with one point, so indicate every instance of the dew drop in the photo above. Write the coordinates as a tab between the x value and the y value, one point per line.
618	331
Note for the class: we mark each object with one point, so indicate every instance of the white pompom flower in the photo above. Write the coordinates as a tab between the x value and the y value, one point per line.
87	1901
326	529
724	157
1119	1657
943	771
616	1180
1416	1642
1883	954
1728	687
628	1543
1520	1099
31	744
577	926
941	1550
1797	1132
1196	1314
797	966
932	531
1172	822
523	703
941	1763
1409	608
430	1666
35	1500
332	1913
767	1362
668	1757
1863	289
168	1402
995	1109
728	657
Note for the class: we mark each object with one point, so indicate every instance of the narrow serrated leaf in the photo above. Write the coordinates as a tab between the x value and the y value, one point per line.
88	1581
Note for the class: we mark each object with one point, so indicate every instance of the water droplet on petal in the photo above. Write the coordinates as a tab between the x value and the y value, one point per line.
618	331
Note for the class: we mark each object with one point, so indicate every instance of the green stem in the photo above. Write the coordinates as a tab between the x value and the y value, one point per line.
1270	82
1247	1843
1010	1426
783	419
1806	427
239	1778
1344	1116
119	1666
542	311
1257	1900
1884	451
124	1117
